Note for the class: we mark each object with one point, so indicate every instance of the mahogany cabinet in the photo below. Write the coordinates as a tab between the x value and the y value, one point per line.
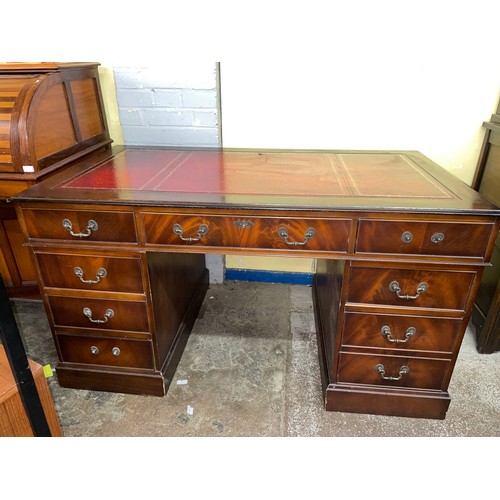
50	115
486	315
120	240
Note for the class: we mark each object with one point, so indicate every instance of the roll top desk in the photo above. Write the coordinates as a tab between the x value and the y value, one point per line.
50	115
119	242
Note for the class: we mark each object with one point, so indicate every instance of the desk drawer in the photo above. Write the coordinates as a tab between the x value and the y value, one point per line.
396	371
410	287
248	232
423	238
90	272
385	331
80	225
104	314
106	351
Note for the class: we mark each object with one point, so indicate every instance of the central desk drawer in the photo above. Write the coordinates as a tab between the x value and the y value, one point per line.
248	232
81	225
106	351
89	272
410	287
104	314
396	371
423	238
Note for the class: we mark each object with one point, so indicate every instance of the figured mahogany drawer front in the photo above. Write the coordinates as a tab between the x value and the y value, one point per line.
423	238
106	351
88	272
122	315
400	332
410	287
397	371
81	226
248	232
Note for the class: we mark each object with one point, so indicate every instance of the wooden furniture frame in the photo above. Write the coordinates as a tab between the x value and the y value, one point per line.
119	242
486	314
14	418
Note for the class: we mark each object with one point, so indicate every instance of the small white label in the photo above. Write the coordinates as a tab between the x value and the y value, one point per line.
28	168
182	382
189	410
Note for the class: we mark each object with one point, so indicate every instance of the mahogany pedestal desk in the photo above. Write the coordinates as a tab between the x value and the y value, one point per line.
119	240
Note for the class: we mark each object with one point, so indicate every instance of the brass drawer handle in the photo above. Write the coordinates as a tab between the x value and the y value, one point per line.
108	314
243	223
202	231
421	288
386	332
283	233
101	273
407	237
91	226
381	371
437	237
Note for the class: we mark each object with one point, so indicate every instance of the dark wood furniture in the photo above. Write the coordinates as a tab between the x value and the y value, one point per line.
50	115
119	243
486	315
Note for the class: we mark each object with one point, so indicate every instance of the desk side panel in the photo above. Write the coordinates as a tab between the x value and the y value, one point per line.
327	290
178	284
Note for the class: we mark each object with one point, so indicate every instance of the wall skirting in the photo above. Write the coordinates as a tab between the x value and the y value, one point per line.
268	276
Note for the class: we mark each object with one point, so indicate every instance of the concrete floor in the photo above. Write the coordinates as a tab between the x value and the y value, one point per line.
251	369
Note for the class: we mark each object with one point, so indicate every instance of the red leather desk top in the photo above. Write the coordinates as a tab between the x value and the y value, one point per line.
262	173
261	179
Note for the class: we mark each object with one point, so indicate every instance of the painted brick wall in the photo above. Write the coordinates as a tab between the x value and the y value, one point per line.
171	105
